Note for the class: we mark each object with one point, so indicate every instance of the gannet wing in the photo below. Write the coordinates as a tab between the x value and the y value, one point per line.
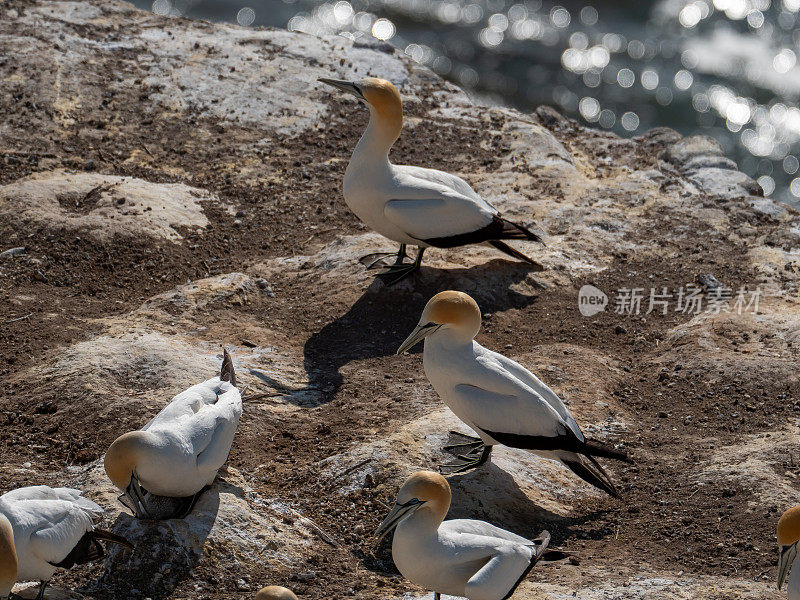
471	526
525	421
448	180
529	379
45	492
441	216
62	526
218	446
185	404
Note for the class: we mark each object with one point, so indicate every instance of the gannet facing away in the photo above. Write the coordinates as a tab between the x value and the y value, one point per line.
42	529
497	397
413	205
275	592
459	557
788	538
165	467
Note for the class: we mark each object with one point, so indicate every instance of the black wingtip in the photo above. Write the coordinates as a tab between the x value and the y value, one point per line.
108	536
595	448
591	472
227	373
503	247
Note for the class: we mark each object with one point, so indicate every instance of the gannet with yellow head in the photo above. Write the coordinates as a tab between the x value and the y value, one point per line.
43	529
497	397
275	592
788	538
414	205
459	557
165	467
8	557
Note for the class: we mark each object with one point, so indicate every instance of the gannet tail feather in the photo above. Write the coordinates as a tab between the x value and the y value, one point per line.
588	469
503	247
539	550
226	372
89	549
515	231
595	448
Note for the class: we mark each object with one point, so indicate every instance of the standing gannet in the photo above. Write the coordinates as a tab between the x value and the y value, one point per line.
413	205
788	537
497	397
275	592
165	467
42	529
460	557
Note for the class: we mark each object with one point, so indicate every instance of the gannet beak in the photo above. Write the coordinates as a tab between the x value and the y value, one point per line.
346	86
397	514
788	554
420	333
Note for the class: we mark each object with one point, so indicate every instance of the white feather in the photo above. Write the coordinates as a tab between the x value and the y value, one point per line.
45	529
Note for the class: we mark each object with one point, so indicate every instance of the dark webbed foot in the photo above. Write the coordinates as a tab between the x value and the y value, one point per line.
148	506
375	260
458	440
471	460
397	272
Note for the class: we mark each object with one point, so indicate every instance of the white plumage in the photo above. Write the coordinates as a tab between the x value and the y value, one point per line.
460	557
409	204
497	397
52	527
180	450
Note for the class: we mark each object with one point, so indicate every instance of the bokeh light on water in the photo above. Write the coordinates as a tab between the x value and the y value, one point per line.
726	68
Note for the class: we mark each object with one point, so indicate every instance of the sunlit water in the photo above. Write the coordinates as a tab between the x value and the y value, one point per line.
725	68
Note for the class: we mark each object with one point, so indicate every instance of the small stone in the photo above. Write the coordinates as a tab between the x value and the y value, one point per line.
619	329
12	252
242	585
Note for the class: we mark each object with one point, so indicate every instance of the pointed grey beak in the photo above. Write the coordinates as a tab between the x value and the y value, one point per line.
420	333
346	86
788	554
399	513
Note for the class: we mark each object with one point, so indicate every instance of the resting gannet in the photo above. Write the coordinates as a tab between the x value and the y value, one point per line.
165	467
460	557
788	537
275	592
413	205
42	529
497	397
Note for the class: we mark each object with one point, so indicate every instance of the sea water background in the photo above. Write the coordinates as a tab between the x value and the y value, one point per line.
724	68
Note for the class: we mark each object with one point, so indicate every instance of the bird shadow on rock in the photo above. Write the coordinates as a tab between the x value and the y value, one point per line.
382	317
164	554
491	494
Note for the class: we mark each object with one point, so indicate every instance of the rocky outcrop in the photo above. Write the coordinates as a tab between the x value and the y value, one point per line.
168	187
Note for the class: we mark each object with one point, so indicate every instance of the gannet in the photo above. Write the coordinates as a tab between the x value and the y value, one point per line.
275	592
165	467
497	397
42	529
413	205
788	537
459	557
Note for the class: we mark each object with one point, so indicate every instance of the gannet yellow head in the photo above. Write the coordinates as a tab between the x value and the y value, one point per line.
381	95
788	536
8	557
123	455
275	592
424	490
455	311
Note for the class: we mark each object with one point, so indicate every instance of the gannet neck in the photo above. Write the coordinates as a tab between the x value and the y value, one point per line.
124	454
8	557
378	138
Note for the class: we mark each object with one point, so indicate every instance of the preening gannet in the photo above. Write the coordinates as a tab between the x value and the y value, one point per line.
788	537
275	592
165	467
460	557
42	529
497	397
413	205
